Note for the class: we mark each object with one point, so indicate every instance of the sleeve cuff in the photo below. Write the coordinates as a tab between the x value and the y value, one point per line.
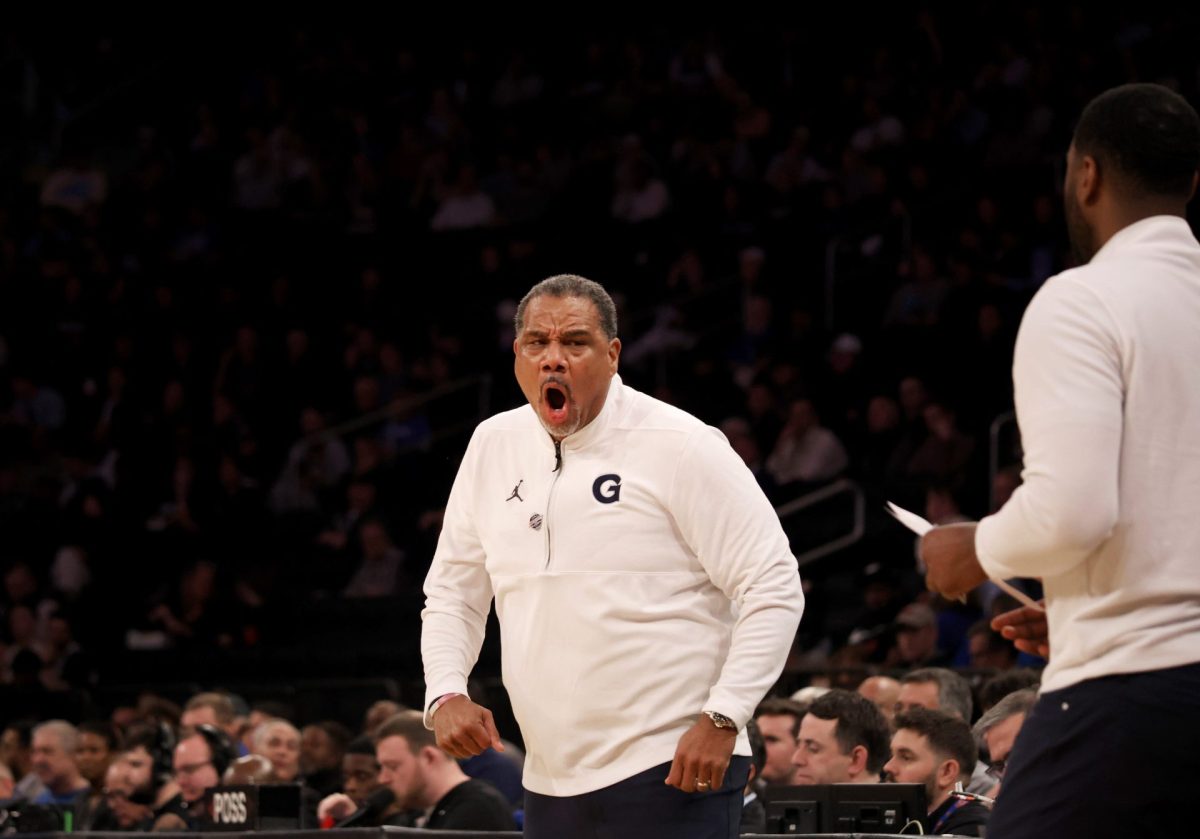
988	540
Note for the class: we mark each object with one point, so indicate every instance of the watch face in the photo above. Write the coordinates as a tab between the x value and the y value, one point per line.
720	720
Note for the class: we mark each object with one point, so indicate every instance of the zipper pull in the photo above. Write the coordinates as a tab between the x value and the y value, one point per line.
557	455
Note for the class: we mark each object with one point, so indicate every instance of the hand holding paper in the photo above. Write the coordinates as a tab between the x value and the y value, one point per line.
949	555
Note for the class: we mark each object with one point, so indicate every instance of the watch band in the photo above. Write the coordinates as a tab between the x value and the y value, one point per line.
720	720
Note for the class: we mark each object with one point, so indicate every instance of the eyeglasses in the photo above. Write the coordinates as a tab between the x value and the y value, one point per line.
996	769
191	768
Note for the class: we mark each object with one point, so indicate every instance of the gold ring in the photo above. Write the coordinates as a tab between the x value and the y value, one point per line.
702	784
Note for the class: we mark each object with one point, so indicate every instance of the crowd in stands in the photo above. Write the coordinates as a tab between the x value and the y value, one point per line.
256	289
148	767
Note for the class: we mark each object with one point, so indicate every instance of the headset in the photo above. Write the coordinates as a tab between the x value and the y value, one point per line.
162	752
158	739
220	746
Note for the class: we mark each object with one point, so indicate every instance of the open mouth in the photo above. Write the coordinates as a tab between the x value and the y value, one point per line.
554	397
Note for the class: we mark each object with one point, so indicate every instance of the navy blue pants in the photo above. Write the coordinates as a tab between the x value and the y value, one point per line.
641	807
1113	757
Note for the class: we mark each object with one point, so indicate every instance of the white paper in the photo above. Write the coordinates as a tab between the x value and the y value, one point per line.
920	527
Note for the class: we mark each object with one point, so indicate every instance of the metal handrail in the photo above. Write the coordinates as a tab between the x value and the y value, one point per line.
838	487
483	382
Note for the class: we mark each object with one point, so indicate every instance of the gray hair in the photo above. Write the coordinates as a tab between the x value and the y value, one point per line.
572	285
954	692
1017	702
67	734
263	732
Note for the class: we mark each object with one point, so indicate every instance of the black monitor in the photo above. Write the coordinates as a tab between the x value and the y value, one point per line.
843	808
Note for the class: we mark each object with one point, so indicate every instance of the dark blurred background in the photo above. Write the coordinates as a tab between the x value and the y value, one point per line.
257	284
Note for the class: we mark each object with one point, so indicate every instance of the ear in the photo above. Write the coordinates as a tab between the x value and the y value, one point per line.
858	760
947	773
614	353
1087	185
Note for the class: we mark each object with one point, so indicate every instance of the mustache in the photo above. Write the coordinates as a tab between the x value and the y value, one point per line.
557	381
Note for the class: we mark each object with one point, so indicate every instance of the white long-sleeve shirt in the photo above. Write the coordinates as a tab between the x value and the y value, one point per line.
643	581
1106	376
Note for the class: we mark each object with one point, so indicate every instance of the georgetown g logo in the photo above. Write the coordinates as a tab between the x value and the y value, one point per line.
607	489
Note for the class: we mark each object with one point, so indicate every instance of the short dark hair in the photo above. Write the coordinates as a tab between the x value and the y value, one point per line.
949	737
758	748
361	746
572	285
954	691
338	734
1002	684
411	726
221	749
859	723
995	641
777	706
159	742
105	730
1146	133
24	731
275	709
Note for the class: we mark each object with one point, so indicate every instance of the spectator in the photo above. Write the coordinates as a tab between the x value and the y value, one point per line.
53	759
936	750
805	452
279	742
778	722
997	730
201	759
97	746
988	648
917	638
939	689
322	747
843	739
427	780
209	708
360	782
883	691
146	780
754	814
381	571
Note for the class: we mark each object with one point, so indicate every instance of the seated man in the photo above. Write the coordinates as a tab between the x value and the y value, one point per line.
147	778
427	780
322	746
116	811
997	730
201	759
883	691
754	812
360	783
778	722
937	750
54	745
843	740
939	689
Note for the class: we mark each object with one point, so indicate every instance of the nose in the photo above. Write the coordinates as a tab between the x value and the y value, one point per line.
553	358
798	757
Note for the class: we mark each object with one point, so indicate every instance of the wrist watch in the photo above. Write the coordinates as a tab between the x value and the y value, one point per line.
720	720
